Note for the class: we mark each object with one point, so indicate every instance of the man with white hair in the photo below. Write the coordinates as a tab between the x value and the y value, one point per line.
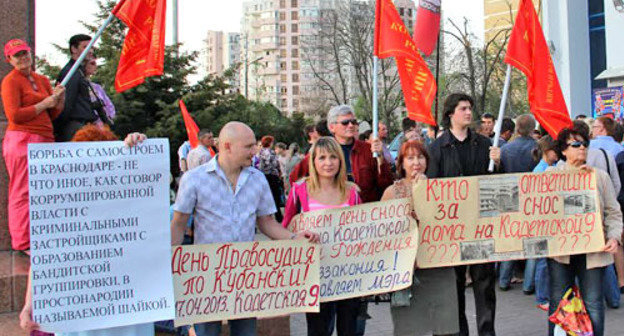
371	175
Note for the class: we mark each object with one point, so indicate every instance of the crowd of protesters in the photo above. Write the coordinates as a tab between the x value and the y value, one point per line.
233	184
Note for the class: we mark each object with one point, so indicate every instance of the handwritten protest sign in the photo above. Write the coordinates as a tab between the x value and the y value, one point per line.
217	282
502	217
365	249
100	237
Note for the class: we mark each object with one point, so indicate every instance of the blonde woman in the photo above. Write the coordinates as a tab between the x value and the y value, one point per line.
326	188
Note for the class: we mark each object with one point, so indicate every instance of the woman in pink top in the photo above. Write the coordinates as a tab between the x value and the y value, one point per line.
326	188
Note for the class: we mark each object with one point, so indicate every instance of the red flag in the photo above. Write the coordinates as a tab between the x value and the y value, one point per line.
427	26
191	126
393	40
143	52
528	52
419	89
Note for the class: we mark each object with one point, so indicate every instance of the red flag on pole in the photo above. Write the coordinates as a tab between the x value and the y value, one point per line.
528	52
143	52
427	27
190	125
392	39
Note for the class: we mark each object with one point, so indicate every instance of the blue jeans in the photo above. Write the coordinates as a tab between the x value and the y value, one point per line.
542	279
611	287
243	327
506	272
590	281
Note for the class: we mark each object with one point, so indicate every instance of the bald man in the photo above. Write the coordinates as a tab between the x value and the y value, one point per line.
229	198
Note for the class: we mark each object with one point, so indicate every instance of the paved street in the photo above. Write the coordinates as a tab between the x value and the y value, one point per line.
516	316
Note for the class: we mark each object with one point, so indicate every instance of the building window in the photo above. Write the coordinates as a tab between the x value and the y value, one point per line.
282	41
295	103
284	103
295	53
401	11
284	89
293	3
409	12
295	40
282	65
295	90
294	28
282	52
282	16
294	15
295	65
282	3
282	28
283	78
295	78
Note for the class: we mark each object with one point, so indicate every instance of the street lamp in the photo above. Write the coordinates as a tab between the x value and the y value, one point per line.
247	63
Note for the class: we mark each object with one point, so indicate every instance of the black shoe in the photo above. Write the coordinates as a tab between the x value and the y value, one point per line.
528	292
622	290
504	288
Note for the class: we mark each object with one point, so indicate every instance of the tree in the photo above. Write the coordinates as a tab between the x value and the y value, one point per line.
480	71
340	57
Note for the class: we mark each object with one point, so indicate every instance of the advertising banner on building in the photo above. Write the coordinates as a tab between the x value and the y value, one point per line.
608	101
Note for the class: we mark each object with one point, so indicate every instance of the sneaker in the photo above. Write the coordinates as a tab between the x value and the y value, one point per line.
543	306
528	292
504	288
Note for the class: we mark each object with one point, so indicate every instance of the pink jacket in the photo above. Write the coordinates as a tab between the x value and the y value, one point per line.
298	201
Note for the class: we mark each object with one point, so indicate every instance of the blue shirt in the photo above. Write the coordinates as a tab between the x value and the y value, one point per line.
541	167
517	156
607	143
222	215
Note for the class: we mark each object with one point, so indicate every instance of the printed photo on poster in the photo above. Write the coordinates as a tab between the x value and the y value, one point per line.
498	196
578	203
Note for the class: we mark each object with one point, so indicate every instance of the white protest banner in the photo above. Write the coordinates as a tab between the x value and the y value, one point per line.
468	220
366	249
230	281
100	235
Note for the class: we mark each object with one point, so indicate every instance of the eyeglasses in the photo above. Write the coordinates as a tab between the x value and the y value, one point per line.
347	121
578	144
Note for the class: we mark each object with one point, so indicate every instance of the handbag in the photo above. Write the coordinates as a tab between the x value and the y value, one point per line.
571	314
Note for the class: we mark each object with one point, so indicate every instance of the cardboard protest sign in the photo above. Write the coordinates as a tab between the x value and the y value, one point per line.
503	217
100	235
231	281
365	249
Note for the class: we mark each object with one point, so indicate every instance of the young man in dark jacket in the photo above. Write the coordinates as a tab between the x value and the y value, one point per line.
460	151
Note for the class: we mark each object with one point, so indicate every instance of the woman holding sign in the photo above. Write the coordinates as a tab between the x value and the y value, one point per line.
587	268
326	188
430	304
89	132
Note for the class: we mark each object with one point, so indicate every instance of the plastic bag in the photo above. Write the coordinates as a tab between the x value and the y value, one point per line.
571	314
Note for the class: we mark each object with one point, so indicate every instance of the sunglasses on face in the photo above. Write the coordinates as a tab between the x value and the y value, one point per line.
346	122
578	144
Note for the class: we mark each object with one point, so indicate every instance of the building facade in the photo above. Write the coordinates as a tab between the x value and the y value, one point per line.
222	51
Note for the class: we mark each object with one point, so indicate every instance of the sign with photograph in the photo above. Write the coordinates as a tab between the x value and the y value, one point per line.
480	219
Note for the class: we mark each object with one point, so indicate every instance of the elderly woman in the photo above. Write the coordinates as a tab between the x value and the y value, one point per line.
102	105
30	105
430	304
588	269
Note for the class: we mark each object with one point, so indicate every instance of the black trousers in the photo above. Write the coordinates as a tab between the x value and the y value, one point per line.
321	323
65	132
275	183
483	284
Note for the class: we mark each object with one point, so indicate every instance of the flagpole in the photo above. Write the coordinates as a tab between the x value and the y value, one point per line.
375	109
501	114
87	49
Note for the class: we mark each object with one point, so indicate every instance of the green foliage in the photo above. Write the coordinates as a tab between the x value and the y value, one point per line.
152	107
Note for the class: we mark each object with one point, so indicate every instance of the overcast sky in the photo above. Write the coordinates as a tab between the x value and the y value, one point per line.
55	24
